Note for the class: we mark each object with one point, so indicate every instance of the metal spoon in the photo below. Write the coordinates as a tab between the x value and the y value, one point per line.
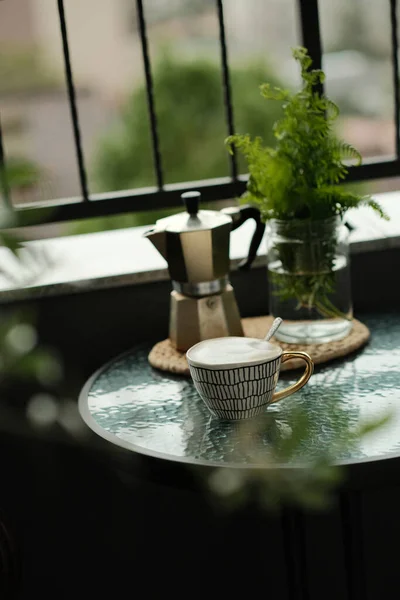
273	329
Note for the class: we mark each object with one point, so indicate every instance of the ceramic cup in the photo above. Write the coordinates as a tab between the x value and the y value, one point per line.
245	388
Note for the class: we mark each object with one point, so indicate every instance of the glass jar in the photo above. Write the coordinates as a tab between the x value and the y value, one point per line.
309	279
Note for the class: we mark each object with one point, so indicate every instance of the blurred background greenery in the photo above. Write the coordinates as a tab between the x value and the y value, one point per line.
183	41
191	129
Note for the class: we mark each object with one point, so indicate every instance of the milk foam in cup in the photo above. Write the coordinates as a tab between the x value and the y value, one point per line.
232	350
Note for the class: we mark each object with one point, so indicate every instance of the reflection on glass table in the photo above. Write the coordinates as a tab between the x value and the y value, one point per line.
152	412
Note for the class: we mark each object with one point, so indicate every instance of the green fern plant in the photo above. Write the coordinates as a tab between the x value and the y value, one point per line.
298	180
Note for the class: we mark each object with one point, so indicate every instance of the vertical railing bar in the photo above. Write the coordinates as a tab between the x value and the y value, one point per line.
4	187
311	32
72	102
227	84
150	95
395	62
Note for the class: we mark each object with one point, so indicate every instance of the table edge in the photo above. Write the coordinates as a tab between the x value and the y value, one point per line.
116	441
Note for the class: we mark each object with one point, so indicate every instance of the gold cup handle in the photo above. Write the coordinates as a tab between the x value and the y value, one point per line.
303	379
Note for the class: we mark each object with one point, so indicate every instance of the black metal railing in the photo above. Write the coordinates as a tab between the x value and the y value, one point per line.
150	96
164	195
72	103
226	82
395	64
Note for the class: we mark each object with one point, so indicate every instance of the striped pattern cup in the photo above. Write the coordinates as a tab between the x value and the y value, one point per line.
244	390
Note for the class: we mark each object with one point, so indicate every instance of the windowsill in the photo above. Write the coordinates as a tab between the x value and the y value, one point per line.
123	257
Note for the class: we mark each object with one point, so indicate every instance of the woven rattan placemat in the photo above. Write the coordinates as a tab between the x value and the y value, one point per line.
165	357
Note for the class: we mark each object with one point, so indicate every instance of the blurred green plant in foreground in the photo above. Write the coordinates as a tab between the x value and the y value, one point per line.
274	443
295	453
31	373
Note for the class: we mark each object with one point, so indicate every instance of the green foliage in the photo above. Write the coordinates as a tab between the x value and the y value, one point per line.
22	70
20	172
297	181
299	177
190	116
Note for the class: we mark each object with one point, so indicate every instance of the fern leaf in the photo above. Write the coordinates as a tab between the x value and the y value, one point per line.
368	201
332	109
348	151
273	93
300	176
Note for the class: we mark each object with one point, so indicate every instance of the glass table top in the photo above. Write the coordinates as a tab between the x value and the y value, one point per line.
148	411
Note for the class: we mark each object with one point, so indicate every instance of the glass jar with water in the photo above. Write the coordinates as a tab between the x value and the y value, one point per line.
309	279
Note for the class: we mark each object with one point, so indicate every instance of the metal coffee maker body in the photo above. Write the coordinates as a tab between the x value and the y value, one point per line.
195	244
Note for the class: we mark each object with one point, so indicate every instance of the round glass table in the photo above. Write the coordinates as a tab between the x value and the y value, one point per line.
158	414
